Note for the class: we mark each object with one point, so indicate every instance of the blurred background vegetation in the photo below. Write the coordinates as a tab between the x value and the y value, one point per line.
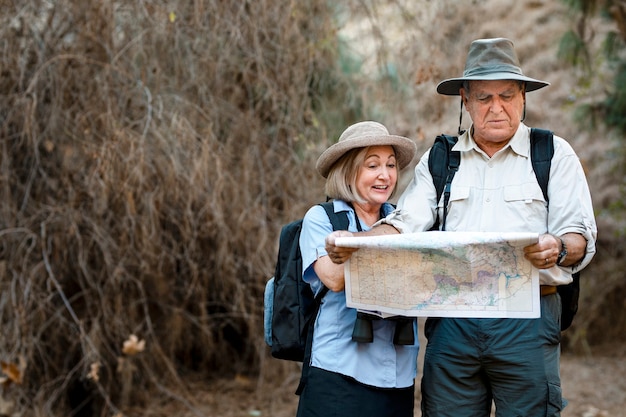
150	152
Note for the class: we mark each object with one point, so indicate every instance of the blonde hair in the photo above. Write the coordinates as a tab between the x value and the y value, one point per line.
341	180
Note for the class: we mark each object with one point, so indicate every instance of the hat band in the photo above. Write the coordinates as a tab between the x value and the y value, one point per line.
478	71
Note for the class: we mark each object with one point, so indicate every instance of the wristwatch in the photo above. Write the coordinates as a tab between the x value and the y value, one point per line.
562	254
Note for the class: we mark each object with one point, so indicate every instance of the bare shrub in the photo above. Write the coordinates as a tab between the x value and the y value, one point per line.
149	154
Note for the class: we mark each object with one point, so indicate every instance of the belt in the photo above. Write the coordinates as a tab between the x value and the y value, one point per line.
547	289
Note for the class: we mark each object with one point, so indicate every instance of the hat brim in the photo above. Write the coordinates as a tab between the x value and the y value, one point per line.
451	87
404	149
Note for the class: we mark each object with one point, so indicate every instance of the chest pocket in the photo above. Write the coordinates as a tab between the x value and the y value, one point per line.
523	193
459	202
459	194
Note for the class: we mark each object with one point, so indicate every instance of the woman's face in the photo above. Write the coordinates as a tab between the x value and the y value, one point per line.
376	178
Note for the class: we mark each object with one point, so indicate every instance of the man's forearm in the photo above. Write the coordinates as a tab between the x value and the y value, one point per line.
576	248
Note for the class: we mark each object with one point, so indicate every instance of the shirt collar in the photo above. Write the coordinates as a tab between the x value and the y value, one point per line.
340	205
520	143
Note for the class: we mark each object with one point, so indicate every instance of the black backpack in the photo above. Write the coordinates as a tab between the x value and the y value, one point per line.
443	163
290	307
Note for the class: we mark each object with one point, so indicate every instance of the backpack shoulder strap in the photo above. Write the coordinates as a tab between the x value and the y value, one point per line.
443	163
439	158
339	220
541	152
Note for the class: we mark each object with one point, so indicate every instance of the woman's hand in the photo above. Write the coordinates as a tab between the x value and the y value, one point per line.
338	254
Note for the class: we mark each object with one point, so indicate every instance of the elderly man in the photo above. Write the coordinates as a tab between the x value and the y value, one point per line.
513	362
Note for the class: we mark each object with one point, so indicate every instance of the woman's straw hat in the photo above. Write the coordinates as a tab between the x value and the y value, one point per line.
365	134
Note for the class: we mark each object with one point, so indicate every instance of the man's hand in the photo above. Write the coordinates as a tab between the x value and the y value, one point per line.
338	254
543	254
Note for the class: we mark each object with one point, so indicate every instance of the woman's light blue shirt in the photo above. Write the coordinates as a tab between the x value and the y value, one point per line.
380	363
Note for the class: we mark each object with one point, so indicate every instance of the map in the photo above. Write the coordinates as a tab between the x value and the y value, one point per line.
443	274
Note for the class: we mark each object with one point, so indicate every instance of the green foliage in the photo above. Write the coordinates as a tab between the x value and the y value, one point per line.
612	47
615	103
586	7
576	48
573	50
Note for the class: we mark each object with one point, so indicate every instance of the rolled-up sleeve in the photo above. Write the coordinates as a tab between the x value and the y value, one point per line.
571	208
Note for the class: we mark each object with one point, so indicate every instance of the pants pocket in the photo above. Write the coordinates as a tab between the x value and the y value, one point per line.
555	401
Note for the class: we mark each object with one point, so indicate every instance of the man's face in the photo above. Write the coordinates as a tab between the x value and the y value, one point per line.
496	108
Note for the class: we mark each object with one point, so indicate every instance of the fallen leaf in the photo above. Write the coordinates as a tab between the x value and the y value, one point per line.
12	371
133	345
94	372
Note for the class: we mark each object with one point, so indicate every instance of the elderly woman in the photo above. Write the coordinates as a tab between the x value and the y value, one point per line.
346	377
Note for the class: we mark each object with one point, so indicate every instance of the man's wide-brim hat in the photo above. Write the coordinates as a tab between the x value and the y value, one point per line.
364	134
488	60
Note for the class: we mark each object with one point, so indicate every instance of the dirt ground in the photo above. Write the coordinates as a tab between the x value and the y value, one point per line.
594	384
